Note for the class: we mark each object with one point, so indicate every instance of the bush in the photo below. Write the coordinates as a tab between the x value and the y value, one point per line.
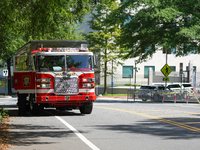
128	84
3	112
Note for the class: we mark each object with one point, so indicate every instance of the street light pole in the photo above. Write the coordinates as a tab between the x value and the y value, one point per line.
135	76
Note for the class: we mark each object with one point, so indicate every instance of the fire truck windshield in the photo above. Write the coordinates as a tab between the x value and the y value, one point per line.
61	63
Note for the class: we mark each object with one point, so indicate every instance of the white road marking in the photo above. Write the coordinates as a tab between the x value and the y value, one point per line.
86	141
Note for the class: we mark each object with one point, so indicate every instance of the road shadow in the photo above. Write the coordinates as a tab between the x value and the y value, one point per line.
47	112
27	133
33	134
179	128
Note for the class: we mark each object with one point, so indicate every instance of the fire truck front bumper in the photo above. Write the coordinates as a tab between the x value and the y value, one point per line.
64	98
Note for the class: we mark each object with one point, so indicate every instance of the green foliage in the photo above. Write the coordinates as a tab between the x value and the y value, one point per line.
149	24
41	17
25	20
102	39
128	84
3	112
8	30
2	82
65	31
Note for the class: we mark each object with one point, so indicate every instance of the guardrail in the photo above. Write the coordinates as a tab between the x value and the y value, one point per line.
163	96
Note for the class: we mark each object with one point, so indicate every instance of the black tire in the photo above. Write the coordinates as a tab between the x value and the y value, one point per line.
22	104
86	108
35	109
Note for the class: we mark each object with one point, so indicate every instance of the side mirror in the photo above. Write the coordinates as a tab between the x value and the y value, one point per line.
95	66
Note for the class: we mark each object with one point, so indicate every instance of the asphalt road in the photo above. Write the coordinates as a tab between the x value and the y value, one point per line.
113	125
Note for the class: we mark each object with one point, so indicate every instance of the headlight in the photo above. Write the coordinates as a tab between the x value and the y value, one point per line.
88	85
88	79
44	80
43	85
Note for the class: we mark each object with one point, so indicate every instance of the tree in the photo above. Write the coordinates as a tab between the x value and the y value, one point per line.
43	16
65	31
103	37
10	39
147	25
24	20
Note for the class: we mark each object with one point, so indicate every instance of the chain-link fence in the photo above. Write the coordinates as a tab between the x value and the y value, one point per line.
164	96
120	80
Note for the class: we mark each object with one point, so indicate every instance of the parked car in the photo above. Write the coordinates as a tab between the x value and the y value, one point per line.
182	90
174	87
148	91
187	87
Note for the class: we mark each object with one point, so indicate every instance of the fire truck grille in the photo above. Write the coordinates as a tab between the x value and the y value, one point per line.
65	85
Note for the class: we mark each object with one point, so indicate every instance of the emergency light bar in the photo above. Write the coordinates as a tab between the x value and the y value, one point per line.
83	48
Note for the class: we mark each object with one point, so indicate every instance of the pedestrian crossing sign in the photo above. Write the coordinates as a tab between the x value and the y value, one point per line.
166	70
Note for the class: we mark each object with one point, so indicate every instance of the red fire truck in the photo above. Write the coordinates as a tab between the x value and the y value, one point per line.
54	73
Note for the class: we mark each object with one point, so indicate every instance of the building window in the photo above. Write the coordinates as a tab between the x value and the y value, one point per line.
194	68
150	48
169	51
173	68
146	70
190	48
173	51
127	71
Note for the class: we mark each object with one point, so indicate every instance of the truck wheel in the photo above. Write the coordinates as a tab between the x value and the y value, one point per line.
36	109
22	104
86	108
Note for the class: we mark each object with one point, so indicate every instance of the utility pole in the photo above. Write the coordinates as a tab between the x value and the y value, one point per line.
135	75
112	84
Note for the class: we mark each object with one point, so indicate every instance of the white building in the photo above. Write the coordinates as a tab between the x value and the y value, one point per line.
126	74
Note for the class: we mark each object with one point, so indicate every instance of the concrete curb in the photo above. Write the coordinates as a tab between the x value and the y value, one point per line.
110	98
7	96
117	99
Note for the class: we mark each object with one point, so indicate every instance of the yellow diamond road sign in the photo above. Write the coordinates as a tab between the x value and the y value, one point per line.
166	70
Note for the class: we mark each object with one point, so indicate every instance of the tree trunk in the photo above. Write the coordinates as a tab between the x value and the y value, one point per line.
9	75
105	72
105	79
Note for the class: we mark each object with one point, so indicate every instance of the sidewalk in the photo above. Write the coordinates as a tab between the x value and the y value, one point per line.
117	98
112	97
5	96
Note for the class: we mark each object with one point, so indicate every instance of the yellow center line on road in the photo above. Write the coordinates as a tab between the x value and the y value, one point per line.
155	118
192	122
184	118
161	116
164	111
167	112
